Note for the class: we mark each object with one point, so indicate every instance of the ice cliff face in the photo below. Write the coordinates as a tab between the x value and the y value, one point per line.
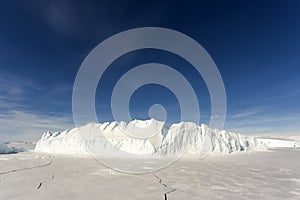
114	138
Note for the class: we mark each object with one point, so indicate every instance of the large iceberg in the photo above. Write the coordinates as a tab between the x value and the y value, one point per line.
115	138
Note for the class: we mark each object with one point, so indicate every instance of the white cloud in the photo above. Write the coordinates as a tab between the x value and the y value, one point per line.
245	114
29	126
265	124
248	112
17	120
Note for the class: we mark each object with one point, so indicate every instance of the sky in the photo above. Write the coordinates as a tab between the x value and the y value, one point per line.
254	44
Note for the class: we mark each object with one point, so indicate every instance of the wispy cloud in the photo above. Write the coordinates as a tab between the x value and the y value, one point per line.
245	114
15	88
65	18
264	124
29	126
18	120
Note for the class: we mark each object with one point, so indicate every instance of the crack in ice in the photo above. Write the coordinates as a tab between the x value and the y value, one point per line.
41	183
26	168
164	185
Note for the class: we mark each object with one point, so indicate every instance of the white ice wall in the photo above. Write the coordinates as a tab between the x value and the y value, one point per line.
109	138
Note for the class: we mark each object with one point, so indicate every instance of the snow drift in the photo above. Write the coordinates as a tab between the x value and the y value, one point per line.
112	138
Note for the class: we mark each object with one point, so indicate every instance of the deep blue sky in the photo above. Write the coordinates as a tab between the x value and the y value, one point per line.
255	45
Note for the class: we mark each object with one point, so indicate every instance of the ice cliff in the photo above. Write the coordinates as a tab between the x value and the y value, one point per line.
111	138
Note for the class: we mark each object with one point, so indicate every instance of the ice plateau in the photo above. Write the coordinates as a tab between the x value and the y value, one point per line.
114	138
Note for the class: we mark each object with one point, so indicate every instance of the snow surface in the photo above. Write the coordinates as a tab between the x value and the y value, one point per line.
267	175
116	138
280	142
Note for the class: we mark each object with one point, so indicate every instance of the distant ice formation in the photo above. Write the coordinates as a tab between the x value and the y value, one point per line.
114	138
279	142
5	149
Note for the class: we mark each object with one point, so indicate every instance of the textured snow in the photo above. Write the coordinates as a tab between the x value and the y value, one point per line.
265	175
280	142
114	138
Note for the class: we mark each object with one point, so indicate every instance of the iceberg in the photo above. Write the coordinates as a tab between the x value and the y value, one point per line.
5	149
112	139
